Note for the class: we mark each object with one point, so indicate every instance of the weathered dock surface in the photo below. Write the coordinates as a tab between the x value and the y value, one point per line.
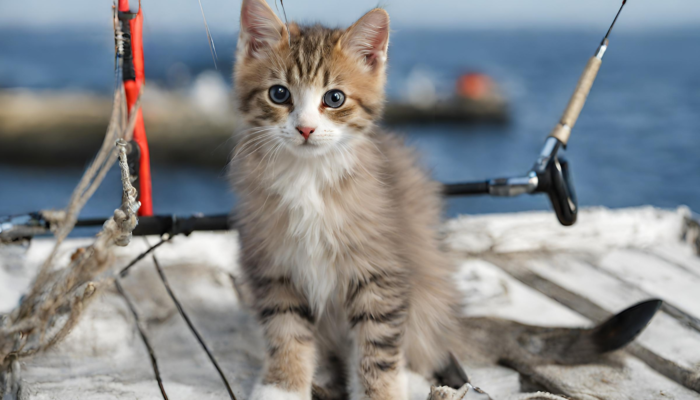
522	266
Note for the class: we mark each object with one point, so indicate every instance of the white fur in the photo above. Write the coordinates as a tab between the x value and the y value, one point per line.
401	392
270	392
299	182
306	112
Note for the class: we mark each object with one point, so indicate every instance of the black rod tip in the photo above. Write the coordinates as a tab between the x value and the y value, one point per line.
615	20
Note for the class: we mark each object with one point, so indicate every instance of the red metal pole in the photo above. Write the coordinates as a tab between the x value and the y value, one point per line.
132	89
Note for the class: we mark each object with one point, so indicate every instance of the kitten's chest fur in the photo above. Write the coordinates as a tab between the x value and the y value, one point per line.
313	237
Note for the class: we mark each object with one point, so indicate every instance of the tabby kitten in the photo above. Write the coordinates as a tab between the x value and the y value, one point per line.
338	225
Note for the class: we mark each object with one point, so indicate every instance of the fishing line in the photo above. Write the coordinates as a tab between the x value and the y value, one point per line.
193	329
144	338
286	23
125	271
210	39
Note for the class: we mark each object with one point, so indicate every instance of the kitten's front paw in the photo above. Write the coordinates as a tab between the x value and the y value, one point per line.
270	392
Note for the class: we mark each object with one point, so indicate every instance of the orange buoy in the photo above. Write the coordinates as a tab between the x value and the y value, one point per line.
474	86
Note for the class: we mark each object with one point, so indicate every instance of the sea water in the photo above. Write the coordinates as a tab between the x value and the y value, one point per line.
637	141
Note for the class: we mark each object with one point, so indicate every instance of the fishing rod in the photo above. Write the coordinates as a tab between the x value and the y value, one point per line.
549	175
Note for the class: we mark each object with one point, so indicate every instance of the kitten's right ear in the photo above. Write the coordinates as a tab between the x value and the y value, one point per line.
368	39
261	29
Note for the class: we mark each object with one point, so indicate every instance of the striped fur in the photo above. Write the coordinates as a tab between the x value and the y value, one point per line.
339	240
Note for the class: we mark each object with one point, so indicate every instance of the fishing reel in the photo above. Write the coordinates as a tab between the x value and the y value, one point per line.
550	175
554	179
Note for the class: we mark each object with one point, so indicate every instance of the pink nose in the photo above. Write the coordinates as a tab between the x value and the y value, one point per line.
305	131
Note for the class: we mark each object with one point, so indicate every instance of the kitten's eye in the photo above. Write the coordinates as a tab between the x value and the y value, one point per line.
334	98
279	94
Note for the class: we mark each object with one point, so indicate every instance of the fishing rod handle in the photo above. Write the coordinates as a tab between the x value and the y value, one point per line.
563	129
466	189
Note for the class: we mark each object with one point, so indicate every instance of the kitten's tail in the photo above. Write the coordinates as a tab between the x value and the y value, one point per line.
523	346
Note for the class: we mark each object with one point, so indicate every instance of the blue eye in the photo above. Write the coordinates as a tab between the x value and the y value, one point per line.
334	98
279	94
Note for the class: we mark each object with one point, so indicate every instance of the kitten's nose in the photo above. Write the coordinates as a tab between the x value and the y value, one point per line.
305	131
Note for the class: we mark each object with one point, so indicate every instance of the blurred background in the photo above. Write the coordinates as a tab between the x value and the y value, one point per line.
475	85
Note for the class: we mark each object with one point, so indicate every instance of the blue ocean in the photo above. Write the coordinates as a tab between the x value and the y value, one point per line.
636	143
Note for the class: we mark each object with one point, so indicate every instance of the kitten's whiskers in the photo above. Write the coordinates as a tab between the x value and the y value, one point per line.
258	144
233	137
253	139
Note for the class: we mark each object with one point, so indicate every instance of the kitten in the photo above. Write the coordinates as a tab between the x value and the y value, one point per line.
338	224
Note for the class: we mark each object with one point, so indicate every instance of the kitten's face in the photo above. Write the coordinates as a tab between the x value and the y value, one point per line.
309	89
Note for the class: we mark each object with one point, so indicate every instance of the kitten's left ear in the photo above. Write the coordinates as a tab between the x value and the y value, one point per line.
368	38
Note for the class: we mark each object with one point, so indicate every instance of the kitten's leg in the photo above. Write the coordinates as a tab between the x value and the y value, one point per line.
288	324
377	310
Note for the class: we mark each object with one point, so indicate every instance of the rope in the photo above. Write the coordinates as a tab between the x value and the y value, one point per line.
130	193
63	222
58	296
57	299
